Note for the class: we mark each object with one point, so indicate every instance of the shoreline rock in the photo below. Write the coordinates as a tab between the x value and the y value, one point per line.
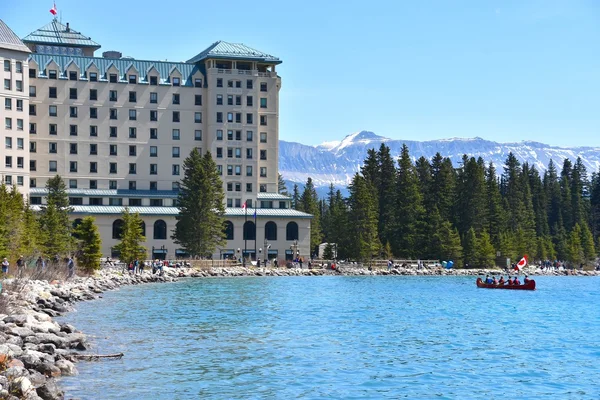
37	350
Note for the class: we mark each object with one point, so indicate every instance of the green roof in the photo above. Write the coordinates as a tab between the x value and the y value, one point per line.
123	65
10	41
226	50
271	196
56	33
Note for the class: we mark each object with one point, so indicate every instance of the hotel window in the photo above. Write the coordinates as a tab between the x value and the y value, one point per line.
153	97
249	187
112	168
8	161
263	102
132	97
19	86
95	201
8	123
132	115
132	78
32	72
153	115
112	185
134	202
230	170
197	82
263	188
52	74
175	152
8	142
93	130
112	149
238	170
263	154
263	86
8	104
72	166
249	118
249	154
112	95
93	94
229	135
176	81
20	144
263	120
32	91
73	93
220	170
249	170
249	136
115	201
52	166
219	152
154	80
175	186
33	183
219	99
238	118
175	98
249	84
238	152
93	113
73	130
153	169
132	151
229	203
19	124
7	84
113	131
132	132
93	77
8	180
153	185
219	134
230	152
32	165
72	148
153	151
133	186
52	92
197	135
19	105
229	100
219	82
132	168
249	101
93	184
32	128
175	116
156	203
7	65
198	100
112	78
19	180
153	133
72	75
263	172
175	134
93	149
19	67
238	100
113	113
219	117
238	187
175	169
229	117
52	129
263	137
198	117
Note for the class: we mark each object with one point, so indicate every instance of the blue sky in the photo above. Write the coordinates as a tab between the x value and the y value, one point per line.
503	70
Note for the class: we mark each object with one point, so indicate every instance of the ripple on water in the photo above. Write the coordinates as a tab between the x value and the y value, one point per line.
342	337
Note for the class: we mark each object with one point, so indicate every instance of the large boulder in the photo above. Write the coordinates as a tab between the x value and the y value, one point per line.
67	368
50	391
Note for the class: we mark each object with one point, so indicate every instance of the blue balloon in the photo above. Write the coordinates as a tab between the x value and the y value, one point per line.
450	264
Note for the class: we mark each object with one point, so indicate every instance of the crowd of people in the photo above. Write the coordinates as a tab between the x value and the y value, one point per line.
40	265
510	281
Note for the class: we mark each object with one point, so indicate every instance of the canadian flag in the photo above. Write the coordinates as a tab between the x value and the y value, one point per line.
522	263
53	10
244	206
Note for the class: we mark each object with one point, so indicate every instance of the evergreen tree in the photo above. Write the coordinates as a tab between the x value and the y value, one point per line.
451	249
386	194
485	253
471	208
130	246
281	187
338	231
576	254
587	243
495	211
470	248
443	186
553	197
309	203
363	214
11	222
566	200
296	198
54	220
328	252
200	223
595	205
89	245
31	235
371	170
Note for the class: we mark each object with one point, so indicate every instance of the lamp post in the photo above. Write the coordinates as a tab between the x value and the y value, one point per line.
266	247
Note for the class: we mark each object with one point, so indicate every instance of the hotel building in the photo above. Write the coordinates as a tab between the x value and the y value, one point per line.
118	129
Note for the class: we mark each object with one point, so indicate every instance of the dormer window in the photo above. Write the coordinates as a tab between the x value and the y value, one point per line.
132	78
176	82
154	80
112	78
52	74
72	75
93	77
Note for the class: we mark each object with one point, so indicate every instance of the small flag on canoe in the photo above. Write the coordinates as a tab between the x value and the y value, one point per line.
522	263
53	10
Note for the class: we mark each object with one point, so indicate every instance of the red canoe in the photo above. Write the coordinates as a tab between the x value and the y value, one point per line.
527	286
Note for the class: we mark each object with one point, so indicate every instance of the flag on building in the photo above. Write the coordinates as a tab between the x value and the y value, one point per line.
244	206
53	10
255	213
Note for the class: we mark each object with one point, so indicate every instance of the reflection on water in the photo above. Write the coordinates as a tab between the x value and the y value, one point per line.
342	337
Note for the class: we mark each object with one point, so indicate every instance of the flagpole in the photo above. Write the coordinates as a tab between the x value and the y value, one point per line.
244	233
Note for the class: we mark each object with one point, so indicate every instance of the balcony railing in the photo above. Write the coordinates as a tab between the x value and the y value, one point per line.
242	72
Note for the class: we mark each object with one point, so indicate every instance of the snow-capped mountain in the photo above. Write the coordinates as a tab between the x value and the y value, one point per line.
337	161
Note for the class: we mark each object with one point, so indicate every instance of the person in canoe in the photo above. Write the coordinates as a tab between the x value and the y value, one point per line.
501	281
494	280
509	281
526	280
516	281
488	280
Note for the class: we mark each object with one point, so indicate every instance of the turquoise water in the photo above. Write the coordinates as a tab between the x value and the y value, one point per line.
342	337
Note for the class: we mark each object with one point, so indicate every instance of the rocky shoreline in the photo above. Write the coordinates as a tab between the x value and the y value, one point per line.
35	350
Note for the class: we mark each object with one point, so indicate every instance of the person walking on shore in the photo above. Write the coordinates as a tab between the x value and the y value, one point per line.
20	265
5	265
71	267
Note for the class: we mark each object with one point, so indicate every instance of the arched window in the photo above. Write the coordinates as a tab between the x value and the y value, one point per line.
228	229
291	231
160	230
249	230
271	230
143	226
117	229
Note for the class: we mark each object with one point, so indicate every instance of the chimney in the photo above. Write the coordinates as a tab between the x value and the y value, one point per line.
68	29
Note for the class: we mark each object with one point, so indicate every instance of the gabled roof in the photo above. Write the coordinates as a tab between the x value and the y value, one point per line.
58	34
225	50
10	41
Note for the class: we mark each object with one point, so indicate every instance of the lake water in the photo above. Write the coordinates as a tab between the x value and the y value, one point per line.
342	337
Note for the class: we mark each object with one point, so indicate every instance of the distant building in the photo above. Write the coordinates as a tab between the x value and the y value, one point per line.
117	130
